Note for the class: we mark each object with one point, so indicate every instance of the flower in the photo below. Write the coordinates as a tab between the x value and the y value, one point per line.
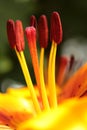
59	98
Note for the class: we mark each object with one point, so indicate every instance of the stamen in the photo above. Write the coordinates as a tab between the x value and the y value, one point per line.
19	47
43	40
16	39
51	76
56	37
11	33
56	28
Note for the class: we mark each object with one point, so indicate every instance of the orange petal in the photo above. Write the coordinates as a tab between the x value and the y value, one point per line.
73	85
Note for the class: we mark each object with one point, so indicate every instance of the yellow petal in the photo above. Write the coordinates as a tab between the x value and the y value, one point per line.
71	115
3	127
22	92
14	110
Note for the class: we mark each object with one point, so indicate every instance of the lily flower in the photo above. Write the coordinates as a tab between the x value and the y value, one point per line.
58	99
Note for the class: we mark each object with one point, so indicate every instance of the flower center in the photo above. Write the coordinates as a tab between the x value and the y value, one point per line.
48	93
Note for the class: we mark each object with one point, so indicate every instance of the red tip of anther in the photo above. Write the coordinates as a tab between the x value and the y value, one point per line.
30	34
43	31
19	36
33	21
56	28
11	32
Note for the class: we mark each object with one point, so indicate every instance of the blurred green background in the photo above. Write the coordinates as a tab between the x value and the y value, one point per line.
73	16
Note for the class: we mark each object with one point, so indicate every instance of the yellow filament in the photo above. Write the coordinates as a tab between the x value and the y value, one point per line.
43	89
28	80
51	76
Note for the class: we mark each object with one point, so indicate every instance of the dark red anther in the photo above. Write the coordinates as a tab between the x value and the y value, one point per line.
11	33
33	21
56	28
43	31
19	36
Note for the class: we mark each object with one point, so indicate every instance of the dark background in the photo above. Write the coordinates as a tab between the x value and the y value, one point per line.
74	21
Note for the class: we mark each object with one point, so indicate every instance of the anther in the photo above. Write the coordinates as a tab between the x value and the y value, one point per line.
56	28
11	33
43	31
19	36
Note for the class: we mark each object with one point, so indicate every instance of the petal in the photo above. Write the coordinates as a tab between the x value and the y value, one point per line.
22	92
64	117
72	86
14	110
3	127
